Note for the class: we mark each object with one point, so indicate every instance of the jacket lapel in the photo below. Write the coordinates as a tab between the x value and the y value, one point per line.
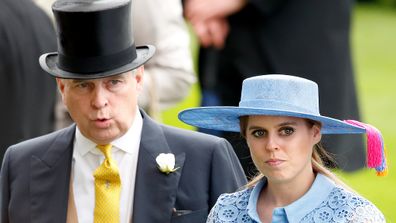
155	192
50	177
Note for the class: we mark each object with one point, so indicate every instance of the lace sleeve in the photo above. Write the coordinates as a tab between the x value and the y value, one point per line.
231	208
212	217
212	214
369	213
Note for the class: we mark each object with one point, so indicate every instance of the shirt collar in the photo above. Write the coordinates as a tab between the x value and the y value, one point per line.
254	195
319	191
295	211
127	142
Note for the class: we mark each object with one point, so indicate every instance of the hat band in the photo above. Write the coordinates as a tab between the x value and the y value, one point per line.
278	106
97	64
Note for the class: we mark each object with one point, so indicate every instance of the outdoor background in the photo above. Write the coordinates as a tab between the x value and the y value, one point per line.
374	55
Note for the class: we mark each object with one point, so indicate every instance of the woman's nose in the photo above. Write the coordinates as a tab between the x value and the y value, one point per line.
272	143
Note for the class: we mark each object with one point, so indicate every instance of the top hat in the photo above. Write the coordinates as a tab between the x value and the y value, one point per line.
275	95
95	40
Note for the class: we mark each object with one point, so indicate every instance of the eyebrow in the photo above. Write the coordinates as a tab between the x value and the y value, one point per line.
287	123
78	80
122	75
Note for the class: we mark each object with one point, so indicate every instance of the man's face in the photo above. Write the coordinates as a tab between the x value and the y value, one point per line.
104	108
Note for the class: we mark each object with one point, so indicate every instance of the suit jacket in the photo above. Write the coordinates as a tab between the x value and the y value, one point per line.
25	33
306	38
35	176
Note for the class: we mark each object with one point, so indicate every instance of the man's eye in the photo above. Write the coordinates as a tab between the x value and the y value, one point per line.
287	131
258	133
115	82
82	85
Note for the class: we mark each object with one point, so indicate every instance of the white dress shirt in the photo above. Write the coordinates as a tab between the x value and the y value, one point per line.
86	158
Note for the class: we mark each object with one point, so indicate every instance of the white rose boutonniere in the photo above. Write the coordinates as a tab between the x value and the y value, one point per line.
166	162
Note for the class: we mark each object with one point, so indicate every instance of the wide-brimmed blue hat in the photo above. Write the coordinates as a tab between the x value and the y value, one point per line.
272	94
285	95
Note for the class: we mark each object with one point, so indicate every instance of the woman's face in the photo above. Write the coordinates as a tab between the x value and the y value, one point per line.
281	147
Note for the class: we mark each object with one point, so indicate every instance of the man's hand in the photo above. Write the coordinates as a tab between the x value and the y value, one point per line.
209	19
202	10
213	32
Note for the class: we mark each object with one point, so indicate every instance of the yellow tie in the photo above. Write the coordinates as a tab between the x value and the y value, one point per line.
107	189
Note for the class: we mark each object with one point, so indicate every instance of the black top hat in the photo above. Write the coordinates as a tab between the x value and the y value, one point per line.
95	39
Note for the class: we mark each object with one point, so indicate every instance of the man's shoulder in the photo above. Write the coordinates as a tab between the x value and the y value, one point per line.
180	133
194	142
41	143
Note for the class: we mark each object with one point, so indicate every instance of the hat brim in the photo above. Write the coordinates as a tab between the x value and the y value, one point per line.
48	62
226	118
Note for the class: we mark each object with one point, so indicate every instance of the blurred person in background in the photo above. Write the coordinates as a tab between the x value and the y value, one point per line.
169	74
311	39
27	95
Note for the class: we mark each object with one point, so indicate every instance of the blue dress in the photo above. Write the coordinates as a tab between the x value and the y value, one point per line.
324	202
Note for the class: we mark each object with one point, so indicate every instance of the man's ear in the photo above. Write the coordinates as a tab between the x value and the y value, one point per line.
139	78
61	85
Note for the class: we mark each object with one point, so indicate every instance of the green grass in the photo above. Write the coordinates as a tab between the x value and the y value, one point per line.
374	51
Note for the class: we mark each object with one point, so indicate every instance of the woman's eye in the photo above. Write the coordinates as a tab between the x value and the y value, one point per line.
287	131
258	133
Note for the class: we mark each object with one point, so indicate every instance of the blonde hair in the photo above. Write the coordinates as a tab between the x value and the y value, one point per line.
319	156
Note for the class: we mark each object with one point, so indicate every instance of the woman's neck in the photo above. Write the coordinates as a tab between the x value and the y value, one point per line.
280	194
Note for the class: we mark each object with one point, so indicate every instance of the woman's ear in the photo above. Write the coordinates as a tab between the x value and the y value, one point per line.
316	133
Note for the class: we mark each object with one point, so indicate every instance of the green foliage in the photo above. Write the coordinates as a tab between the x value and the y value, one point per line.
374	52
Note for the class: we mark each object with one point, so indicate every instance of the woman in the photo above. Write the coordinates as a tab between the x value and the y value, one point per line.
279	117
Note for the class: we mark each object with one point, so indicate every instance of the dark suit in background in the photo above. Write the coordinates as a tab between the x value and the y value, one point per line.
27	93
305	38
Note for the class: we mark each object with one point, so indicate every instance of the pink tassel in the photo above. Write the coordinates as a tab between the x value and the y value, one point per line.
375	147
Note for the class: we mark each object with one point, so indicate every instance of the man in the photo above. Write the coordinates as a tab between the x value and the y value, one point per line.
106	167
25	33
169	75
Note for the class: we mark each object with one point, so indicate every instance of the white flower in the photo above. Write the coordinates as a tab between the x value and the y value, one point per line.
166	162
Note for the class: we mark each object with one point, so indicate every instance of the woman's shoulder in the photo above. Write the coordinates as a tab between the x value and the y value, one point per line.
345	206
231	207
235	198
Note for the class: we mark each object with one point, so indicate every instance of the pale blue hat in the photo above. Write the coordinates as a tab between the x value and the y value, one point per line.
272	94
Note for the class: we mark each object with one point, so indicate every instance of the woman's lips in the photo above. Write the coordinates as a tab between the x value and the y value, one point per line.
274	162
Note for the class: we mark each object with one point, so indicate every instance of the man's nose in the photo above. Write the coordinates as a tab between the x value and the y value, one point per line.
99	97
